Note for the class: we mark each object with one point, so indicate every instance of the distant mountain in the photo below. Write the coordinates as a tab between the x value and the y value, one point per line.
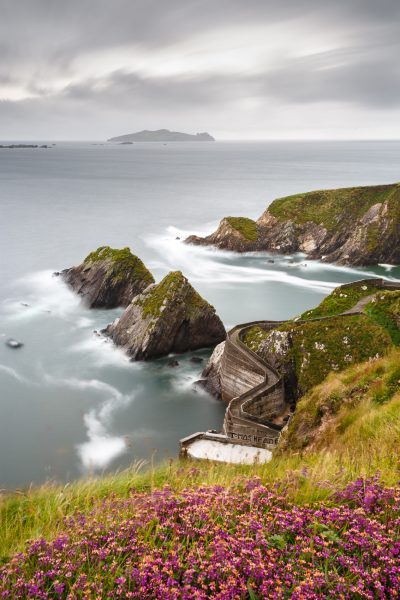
162	135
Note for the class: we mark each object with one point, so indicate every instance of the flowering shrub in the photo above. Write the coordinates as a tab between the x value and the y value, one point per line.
226	543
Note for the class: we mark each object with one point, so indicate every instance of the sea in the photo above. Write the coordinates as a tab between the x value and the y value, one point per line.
71	404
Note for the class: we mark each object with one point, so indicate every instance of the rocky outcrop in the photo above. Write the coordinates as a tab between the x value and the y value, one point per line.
354	226
167	317
212	372
108	277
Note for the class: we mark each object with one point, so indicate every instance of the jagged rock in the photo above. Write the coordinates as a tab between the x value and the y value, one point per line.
167	317
355	226
212	372
108	277
234	233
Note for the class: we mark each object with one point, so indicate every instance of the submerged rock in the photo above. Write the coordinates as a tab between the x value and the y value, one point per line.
355	226
173	363
196	359
108	277
167	317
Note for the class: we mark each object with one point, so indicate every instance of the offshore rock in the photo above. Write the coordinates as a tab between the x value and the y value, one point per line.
108	277
167	317
352	226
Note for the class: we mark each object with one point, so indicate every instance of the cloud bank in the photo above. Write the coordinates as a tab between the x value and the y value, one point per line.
252	69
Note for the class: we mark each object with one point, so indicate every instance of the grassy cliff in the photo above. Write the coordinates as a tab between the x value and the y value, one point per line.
312	348
339	208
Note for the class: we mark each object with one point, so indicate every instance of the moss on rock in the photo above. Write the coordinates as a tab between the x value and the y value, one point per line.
246	227
333	345
333	209
159	295
124	263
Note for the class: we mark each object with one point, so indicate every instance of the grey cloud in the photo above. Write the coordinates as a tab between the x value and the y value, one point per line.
41	40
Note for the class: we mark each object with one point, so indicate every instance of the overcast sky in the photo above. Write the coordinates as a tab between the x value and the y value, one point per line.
239	69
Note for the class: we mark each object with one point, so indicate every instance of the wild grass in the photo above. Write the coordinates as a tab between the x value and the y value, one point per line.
40	511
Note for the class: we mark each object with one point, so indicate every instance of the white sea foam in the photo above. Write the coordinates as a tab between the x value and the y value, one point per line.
41	293
211	265
12	373
101	352
101	448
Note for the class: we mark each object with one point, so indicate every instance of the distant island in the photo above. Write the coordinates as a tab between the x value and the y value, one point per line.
162	135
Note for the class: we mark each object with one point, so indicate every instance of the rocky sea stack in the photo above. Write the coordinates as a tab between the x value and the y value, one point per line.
354	226
167	317
108	277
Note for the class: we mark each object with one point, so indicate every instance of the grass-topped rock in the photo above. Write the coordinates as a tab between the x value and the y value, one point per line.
167	317
357	226
234	233
109	277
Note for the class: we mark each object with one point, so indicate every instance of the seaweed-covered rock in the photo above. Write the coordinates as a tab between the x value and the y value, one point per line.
109	277
167	317
356	226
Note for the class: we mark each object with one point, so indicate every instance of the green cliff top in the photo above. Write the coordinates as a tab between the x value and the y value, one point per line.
340	300
246	227
318	347
336	209
124	263
167	291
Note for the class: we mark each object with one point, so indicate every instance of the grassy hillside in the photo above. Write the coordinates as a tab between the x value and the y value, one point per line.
358	409
311	349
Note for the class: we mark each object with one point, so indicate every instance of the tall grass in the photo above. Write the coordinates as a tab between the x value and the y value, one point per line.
40	511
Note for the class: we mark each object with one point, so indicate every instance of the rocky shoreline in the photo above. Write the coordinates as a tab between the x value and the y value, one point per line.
350	226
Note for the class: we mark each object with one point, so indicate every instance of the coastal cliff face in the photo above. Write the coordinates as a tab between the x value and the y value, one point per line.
167	317
305	350
354	226
108	277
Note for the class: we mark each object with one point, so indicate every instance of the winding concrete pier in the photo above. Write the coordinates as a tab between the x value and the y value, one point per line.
257	410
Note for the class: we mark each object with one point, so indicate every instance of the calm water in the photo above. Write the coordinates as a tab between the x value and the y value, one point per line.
70	403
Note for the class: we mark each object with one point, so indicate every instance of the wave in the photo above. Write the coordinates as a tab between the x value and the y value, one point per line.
13	373
212	265
101	448
101	352
41	293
